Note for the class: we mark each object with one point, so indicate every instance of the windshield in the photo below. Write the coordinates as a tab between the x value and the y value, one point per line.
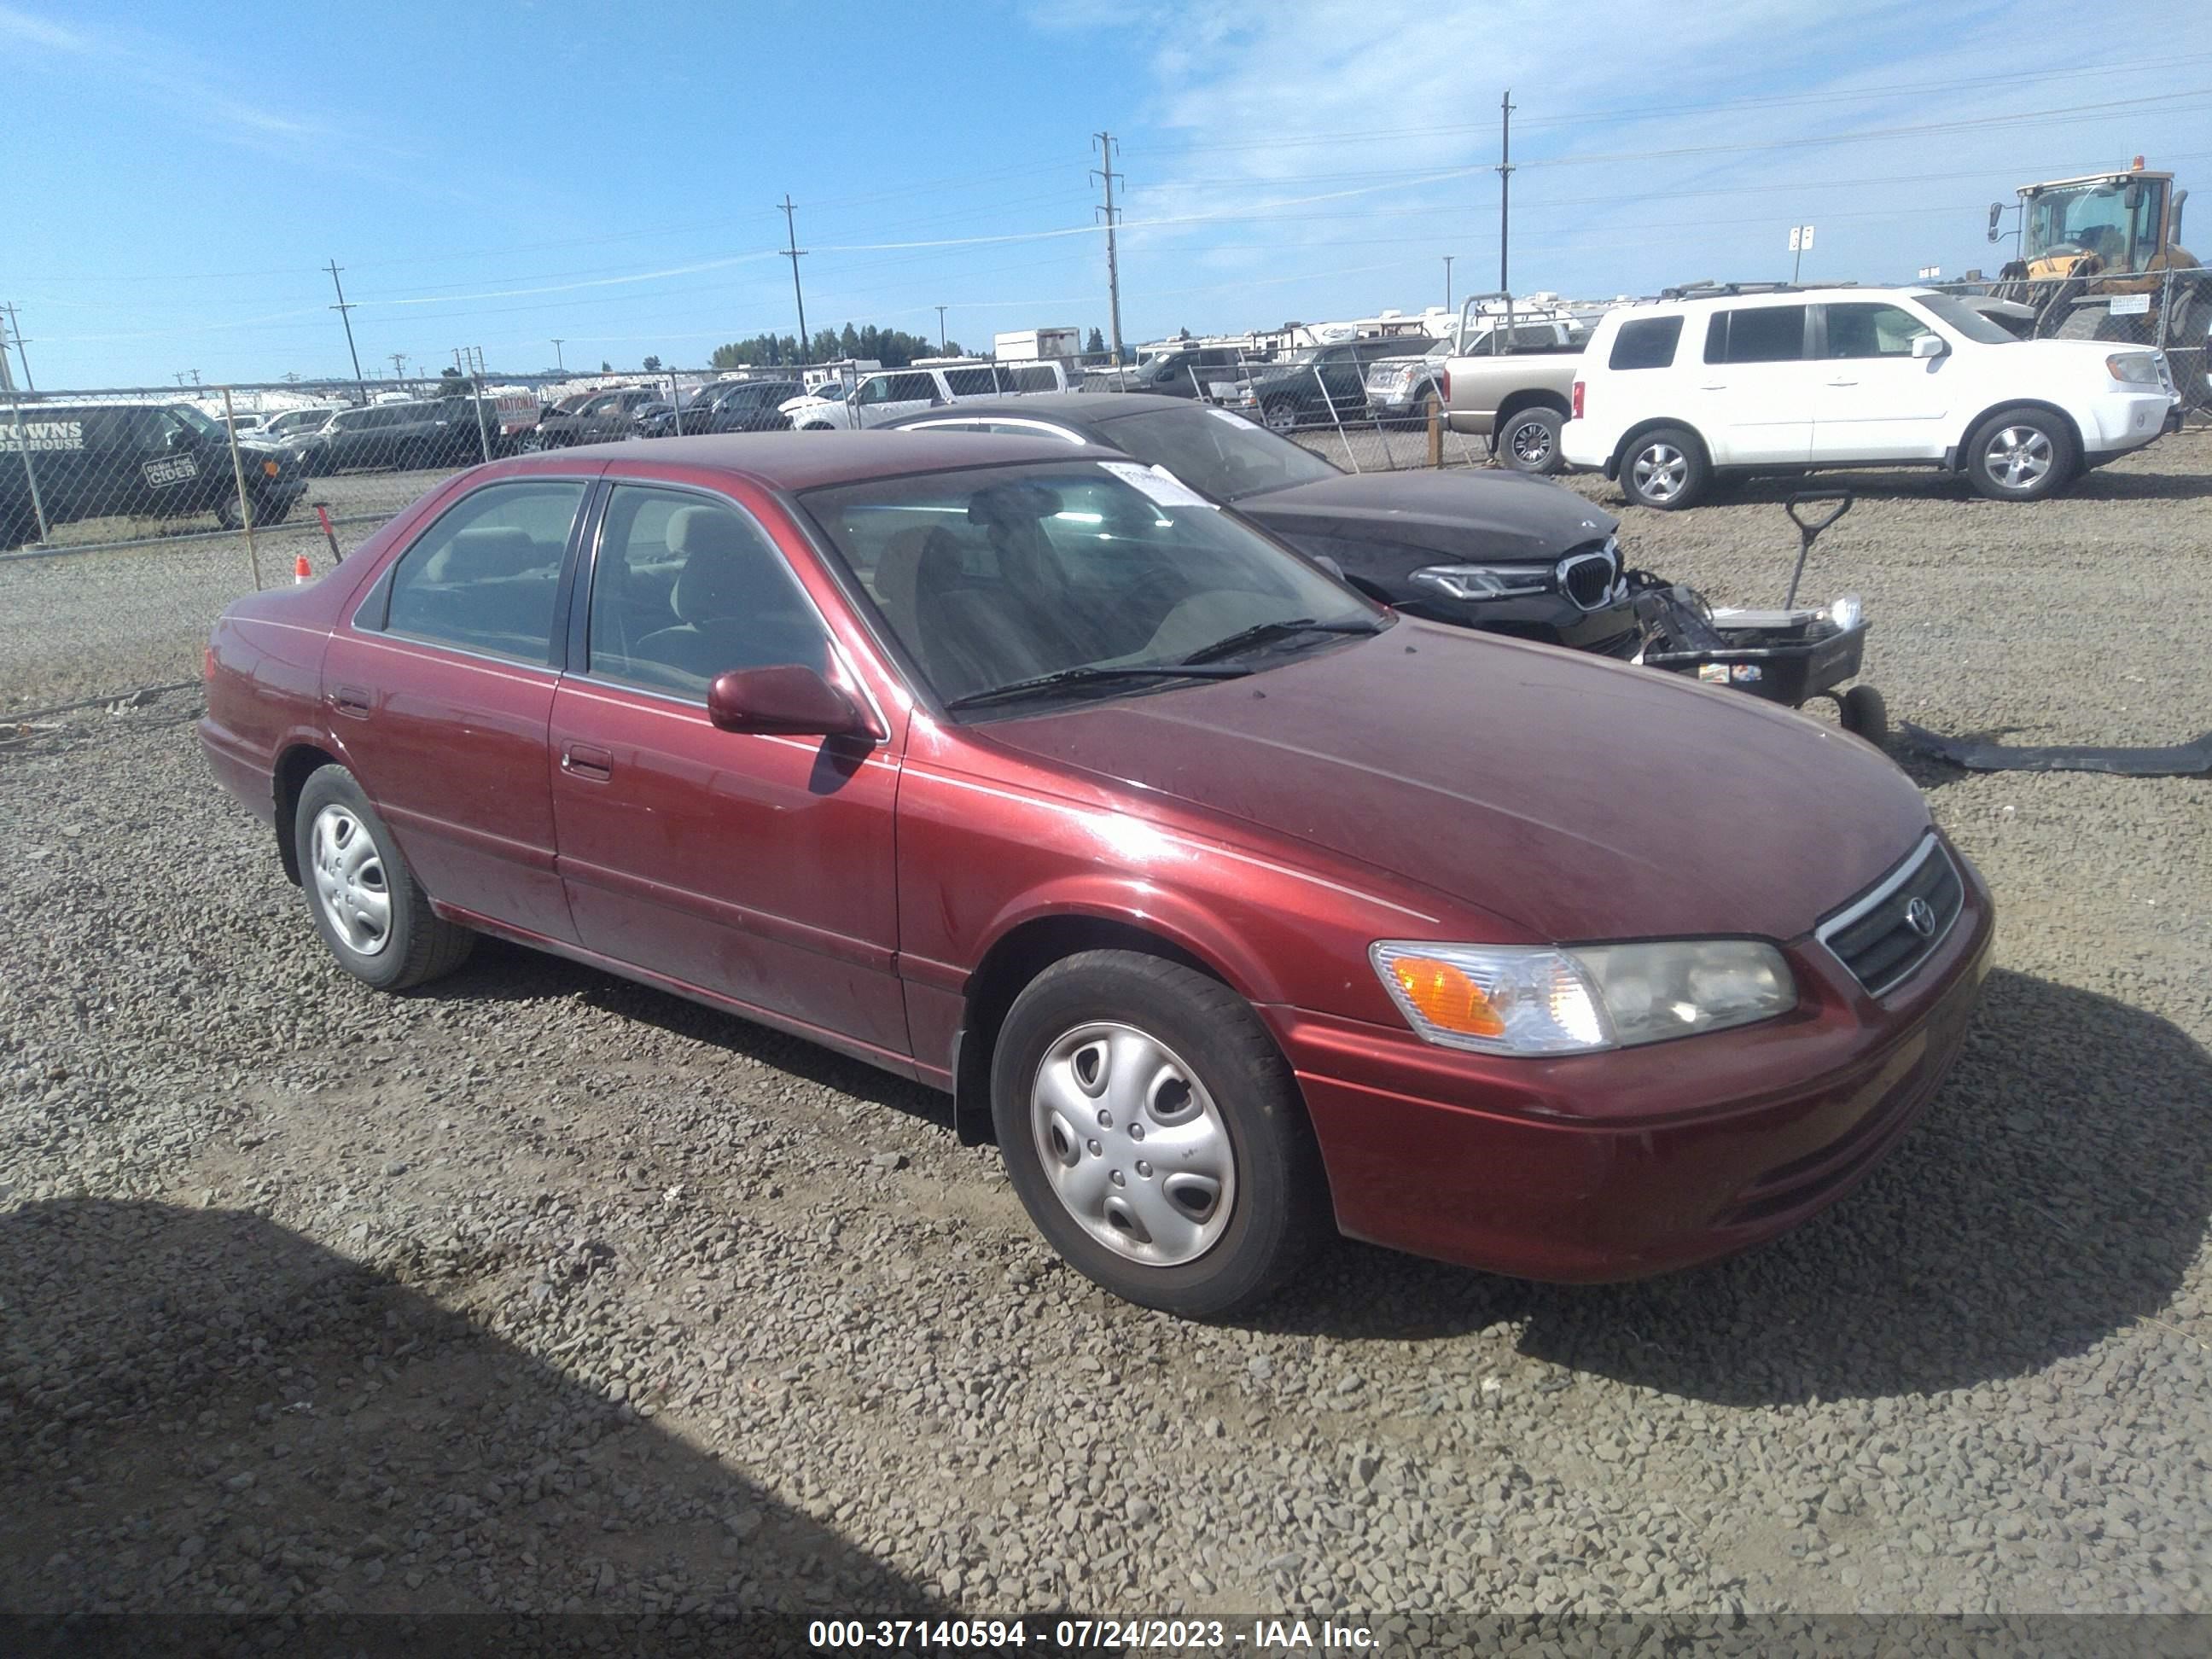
1216	452
194	419
1302	355
2092	219
1963	318
997	575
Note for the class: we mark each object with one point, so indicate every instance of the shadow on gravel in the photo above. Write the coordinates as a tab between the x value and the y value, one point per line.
2058	1188
501	972
199	1408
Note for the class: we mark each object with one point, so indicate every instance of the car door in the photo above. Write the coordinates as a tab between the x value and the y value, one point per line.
1338	372
884	397
756	868
439	689
1755	396
1877	402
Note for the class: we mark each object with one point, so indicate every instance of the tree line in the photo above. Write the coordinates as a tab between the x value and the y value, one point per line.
893	348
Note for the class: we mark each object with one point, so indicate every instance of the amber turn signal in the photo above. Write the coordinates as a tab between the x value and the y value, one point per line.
1446	996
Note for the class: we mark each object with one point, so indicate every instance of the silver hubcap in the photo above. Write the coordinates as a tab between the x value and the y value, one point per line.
1532	442
2017	457
1282	418
1659	472
1133	1144
350	880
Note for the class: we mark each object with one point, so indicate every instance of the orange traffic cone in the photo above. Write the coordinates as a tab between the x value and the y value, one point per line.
301	570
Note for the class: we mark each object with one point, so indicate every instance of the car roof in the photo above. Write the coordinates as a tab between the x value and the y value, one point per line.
1079	408
807	460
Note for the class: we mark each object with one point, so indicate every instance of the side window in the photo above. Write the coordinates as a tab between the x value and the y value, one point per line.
1033	378
1027	430
875	389
483	577
911	389
970	382
1646	342
1865	330
1757	334
685	588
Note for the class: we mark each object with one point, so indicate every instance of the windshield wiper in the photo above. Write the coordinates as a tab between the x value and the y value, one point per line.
1261	633
1093	675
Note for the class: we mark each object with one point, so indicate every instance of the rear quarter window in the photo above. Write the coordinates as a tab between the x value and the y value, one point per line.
1646	342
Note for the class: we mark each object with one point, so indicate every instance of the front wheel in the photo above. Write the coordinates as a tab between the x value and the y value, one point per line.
2020	455
365	901
1281	414
1529	440
258	512
1155	1134
1665	469
1861	712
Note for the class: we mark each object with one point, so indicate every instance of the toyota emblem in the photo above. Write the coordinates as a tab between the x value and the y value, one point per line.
1920	917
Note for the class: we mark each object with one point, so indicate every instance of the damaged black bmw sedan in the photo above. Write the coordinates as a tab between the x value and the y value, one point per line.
1496	551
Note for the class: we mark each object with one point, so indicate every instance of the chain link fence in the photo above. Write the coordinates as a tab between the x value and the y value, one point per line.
2169	309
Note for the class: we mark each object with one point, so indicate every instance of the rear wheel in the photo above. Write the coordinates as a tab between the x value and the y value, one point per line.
1861	712
1281	414
1665	469
365	901
2020	455
1154	1133
1528	441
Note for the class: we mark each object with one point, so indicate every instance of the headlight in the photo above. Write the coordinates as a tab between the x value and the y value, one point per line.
1482	581
2133	368
1528	999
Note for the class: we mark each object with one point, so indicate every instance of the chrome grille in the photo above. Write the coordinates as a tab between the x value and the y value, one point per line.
1886	933
1588	578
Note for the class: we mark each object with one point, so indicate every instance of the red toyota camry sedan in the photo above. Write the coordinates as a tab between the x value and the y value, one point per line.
1239	907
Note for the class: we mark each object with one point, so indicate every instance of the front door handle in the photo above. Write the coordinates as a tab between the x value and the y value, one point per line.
352	700
1713	385
580	760
1842	383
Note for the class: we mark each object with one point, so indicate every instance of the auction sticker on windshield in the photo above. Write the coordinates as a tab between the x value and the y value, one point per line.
1157	484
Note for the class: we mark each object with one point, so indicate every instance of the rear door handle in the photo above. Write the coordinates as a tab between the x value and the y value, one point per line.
580	760
1842	383
1713	385
352	700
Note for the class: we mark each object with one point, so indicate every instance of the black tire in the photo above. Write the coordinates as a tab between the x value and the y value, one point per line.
228	515
1528	441
418	945
1861	712
1277	1205
1665	469
2021	454
1280	415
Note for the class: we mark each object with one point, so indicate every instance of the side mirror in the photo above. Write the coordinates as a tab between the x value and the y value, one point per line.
787	701
1929	345
1329	565
2131	198
1997	212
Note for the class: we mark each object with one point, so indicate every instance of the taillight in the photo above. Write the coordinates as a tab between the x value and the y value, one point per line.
1577	401
1443	385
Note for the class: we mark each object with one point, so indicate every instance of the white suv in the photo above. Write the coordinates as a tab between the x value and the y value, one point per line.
877	399
1720	382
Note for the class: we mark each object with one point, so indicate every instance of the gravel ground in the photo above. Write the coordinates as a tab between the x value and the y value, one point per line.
541	1290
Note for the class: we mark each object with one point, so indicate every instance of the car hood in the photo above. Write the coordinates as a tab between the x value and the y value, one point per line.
1469	515
1581	799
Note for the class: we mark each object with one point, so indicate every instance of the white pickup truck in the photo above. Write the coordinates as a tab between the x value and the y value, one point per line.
1507	378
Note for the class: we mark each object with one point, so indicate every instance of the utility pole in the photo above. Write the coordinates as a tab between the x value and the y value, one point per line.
1505	187
400	366
940	328
1105	174
345	312
793	254
1448	259
557	364
15	332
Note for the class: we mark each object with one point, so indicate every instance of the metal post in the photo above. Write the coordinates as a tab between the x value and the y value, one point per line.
345	316
1331	401
1107	175
238	478
484	434
31	474
15	329
1448	259
557	364
940	328
1504	186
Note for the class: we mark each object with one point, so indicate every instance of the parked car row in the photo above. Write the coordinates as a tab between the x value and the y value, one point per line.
1238	907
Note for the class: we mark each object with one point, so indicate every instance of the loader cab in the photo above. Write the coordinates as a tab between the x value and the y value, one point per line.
2120	219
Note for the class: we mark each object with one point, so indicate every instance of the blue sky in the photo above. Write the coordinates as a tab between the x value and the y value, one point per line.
498	174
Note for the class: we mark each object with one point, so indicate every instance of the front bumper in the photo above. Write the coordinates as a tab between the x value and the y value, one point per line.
1617	1165
1611	630
2125	421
